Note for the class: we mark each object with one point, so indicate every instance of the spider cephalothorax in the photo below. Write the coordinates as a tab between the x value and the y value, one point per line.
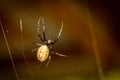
45	50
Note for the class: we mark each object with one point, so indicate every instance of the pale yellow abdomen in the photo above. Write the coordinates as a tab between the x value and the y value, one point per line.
42	53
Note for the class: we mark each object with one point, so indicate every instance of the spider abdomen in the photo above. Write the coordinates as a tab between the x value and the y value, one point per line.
42	53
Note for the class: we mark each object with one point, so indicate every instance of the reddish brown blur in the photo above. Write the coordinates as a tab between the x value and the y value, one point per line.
75	40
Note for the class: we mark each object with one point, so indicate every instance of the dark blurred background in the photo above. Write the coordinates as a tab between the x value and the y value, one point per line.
90	38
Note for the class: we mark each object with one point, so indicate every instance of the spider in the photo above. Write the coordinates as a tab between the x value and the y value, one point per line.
45	50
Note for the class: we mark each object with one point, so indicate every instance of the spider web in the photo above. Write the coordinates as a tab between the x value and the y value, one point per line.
94	44
21	29
9	51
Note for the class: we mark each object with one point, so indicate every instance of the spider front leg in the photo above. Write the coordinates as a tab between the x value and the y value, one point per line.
40	38
58	34
38	30
43	27
44	33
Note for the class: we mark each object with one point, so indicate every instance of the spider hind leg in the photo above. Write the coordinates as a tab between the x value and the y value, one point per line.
62	55
49	58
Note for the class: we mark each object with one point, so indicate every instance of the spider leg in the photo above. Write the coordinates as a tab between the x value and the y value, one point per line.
38	30
34	50
38	44
40	37
43	27
49	58
62	55
58	34
30	51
